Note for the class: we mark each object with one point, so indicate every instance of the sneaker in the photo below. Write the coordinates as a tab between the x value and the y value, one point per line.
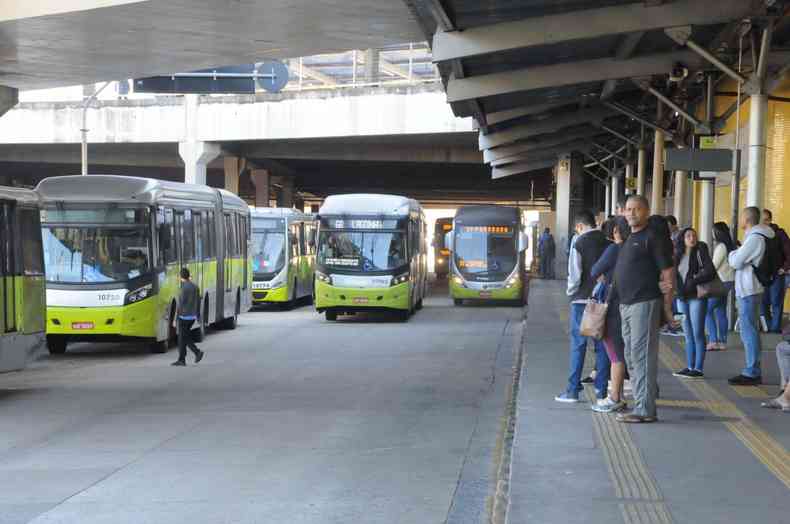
607	405
696	373
743	380
683	373
567	398
631	418
179	363
199	356
588	380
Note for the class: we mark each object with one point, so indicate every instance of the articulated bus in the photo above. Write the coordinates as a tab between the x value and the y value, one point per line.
283	256
22	307
488	244
441	255
372	255
114	247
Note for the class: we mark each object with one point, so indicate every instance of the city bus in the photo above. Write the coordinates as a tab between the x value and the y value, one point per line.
113	250
441	255
372	255
283	256
488	245
22	277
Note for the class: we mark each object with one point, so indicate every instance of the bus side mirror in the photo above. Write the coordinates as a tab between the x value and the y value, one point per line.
523	242
448	240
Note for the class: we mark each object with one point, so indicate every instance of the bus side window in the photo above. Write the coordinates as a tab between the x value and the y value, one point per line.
32	250
187	238
205	235
167	236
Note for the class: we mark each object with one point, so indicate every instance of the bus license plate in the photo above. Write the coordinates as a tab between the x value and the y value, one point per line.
361	300
485	294
82	325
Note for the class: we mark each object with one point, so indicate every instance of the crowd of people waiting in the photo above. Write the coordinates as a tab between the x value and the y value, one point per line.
650	273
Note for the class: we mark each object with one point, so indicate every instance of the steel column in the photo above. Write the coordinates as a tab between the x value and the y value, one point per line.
681	198
758	112
657	193
707	211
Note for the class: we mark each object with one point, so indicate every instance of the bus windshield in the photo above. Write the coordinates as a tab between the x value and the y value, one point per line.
365	251
486	251
74	254
268	251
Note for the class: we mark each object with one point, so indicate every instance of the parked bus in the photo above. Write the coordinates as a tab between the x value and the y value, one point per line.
372	255
283	256
441	255
488	245
114	247
22	276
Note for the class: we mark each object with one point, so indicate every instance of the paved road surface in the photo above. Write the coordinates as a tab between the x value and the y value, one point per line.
289	419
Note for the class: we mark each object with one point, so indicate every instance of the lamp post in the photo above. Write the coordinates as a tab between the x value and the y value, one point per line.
84	129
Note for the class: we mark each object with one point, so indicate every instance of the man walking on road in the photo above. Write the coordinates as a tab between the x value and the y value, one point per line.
749	292
586	248
644	277
188	312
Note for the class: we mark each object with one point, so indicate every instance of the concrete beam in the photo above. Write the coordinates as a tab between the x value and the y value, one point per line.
18	10
540	154
490	155
583	24
511	114
542	127
9	97
565	74
523	167
362	151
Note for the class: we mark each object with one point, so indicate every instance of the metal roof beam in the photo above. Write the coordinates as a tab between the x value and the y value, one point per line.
620	135
639	118
489	155
582	24
577	145
542	127
511	114
522	167
440	15
565	74
625	50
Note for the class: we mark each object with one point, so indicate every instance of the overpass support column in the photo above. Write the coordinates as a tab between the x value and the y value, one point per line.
285	198
569	199
262	181
233	168
682	199
196	156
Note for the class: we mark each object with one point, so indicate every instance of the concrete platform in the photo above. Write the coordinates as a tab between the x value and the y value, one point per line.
714	455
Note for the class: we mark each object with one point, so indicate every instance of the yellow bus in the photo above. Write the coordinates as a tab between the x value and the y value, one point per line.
283	256
22	276
372	255
113	249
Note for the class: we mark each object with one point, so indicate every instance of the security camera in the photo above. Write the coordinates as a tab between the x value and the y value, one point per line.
700	77
679	72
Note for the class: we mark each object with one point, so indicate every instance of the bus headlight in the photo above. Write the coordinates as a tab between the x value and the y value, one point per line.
400	279
321	277
512	281
278	281
440	261
459	281
138	294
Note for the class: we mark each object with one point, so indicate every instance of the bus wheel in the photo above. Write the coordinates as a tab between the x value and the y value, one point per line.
200	332
331	316
56	344
403	315
457	302
291	302
160	346
418	306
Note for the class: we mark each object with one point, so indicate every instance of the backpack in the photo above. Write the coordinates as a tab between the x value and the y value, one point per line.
772	261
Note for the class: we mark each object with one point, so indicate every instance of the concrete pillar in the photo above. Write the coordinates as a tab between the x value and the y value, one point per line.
707	210
262	181
196	156
233	168
641	169
758	112
570	198
657	193
285	198
681	205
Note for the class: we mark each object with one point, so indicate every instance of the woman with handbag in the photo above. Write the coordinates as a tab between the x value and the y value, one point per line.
716	323
618	230
694	270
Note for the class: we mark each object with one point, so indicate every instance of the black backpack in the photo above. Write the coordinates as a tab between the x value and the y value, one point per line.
772	261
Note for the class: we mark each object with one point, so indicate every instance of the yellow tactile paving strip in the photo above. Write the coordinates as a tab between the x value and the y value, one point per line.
751	392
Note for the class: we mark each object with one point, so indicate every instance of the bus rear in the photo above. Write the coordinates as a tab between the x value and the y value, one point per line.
488	244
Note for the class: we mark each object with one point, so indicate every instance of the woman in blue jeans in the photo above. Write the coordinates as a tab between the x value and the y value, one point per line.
716	323
694	267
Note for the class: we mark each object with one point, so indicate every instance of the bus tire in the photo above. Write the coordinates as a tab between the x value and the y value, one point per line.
56	344
457	302
291	302
403	315
200	331
331	316
232	322
159	346
418	306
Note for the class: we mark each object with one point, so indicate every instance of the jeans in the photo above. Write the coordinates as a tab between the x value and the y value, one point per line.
640	334
579	351
185	339
749	315
694	310
716	323
774	303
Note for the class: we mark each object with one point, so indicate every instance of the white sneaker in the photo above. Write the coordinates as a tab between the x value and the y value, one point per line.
607	405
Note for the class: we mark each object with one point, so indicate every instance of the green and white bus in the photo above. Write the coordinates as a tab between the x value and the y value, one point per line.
22	276
283	256
113	249
372	255
488	244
